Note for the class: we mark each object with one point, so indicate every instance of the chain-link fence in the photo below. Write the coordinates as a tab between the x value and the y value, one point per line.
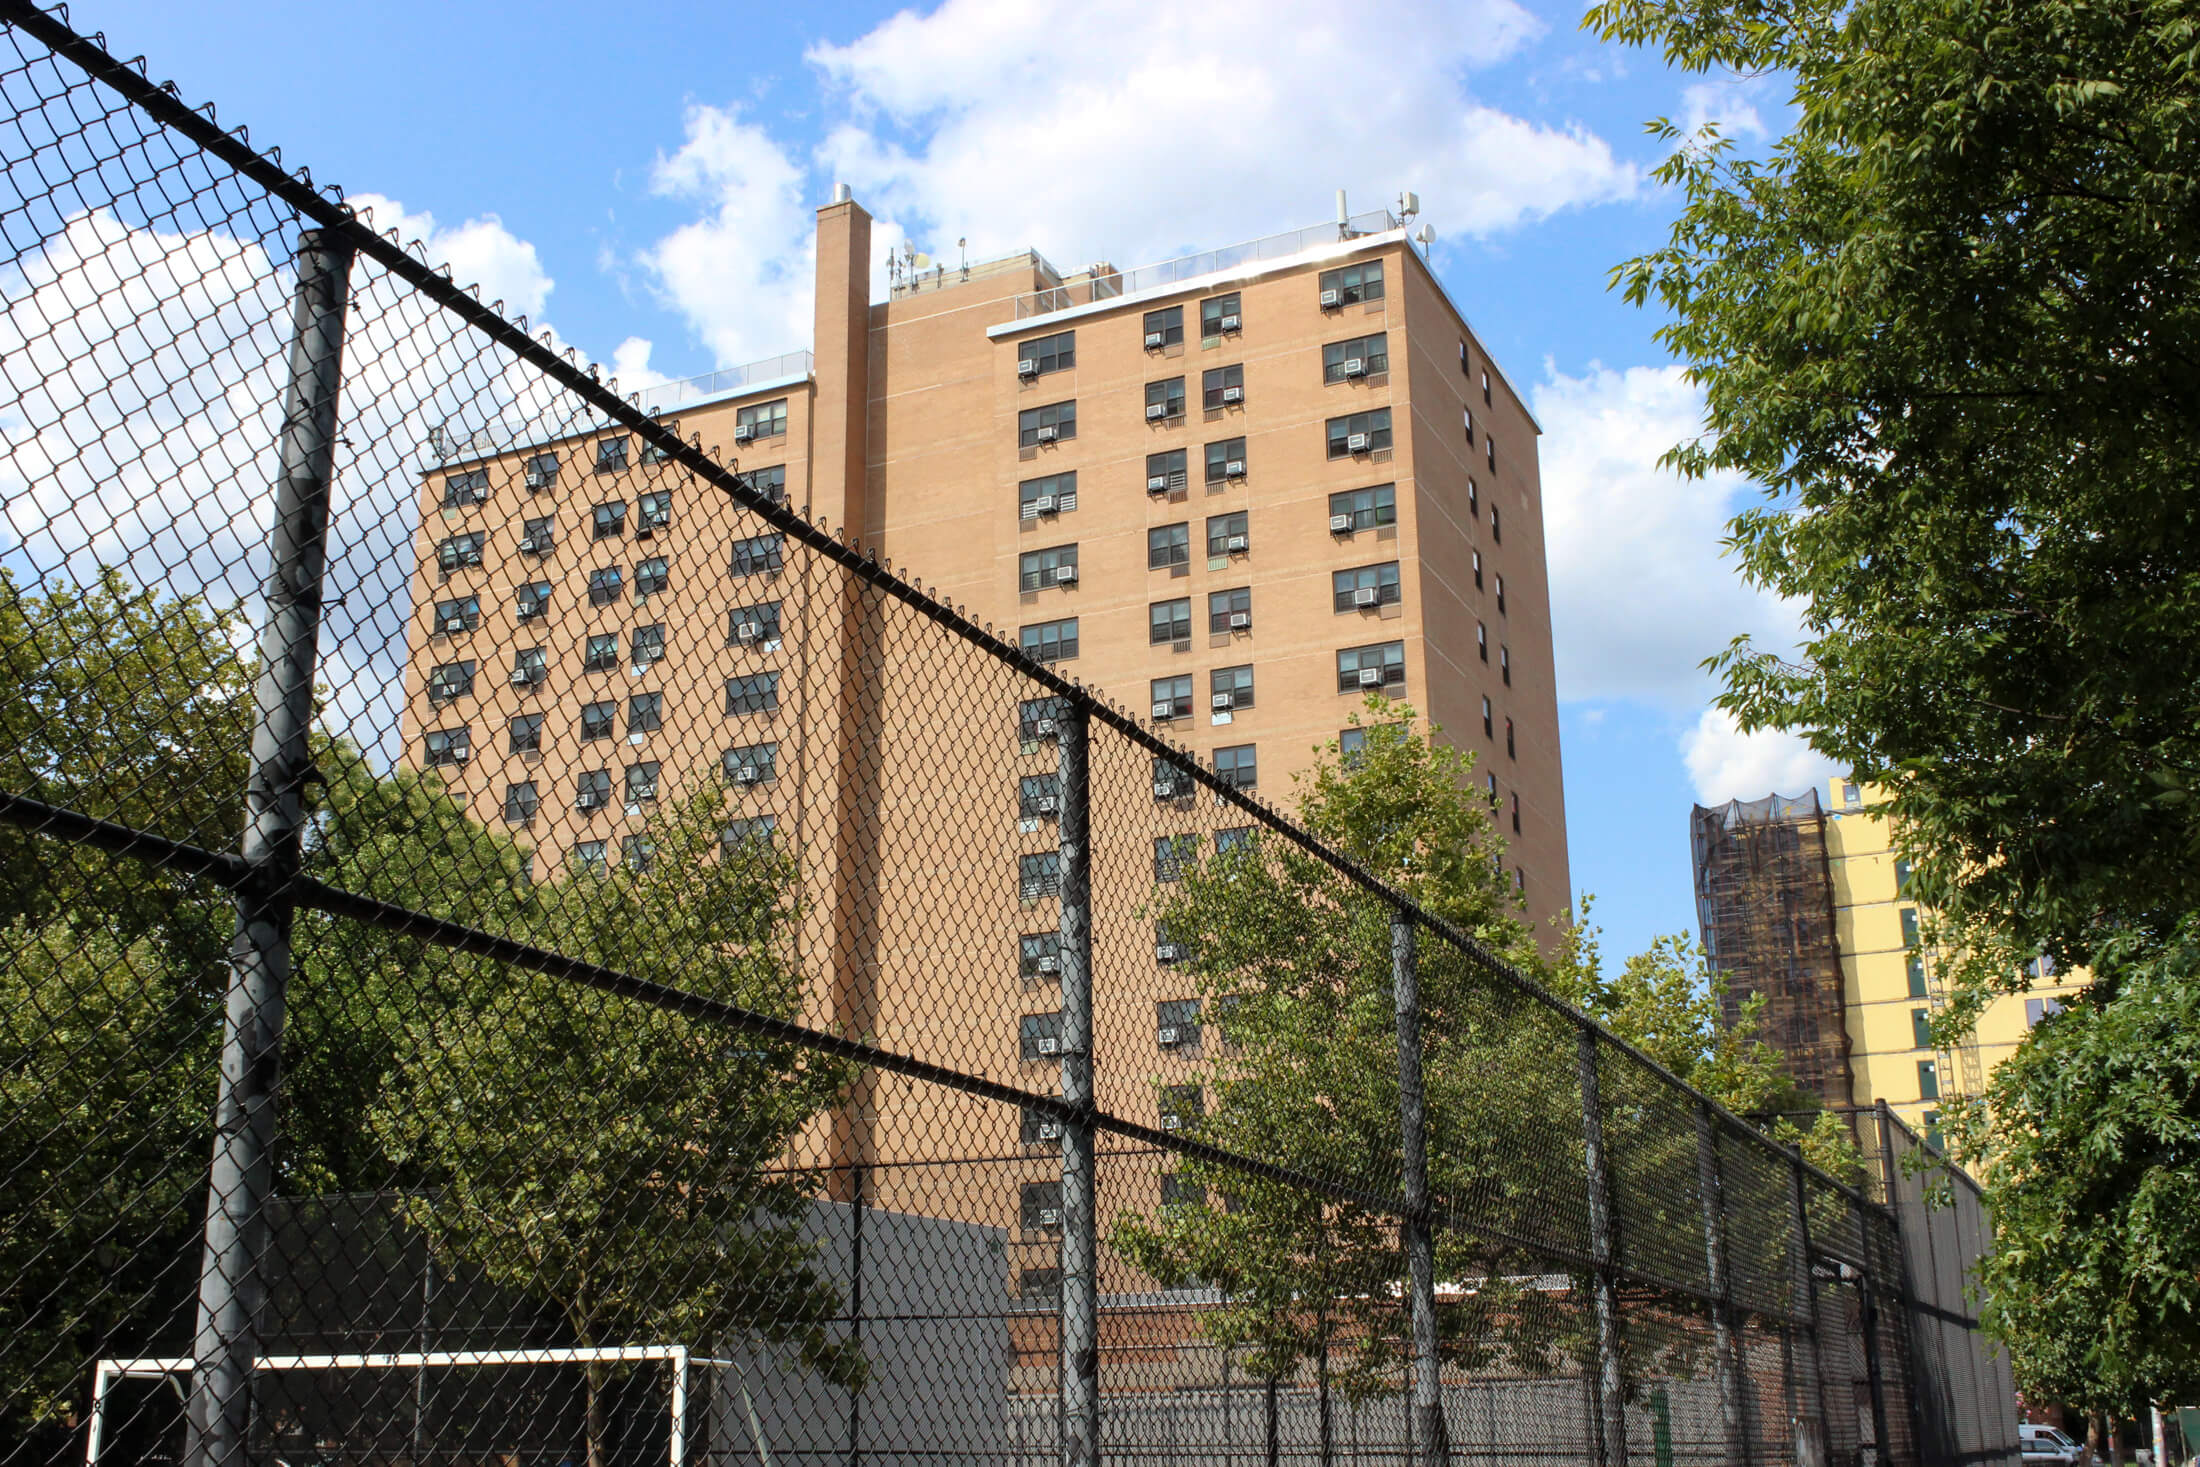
521	948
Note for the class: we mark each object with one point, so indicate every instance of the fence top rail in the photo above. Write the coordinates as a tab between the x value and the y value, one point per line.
323	206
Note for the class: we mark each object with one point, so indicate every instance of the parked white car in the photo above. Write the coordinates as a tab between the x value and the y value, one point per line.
2044	1446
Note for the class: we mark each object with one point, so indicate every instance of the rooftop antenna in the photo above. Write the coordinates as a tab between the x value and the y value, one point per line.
1409	204
1427	237
964	246
1344	218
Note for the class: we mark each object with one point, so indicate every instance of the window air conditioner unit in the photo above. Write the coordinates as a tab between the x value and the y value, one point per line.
745	433
460	756
1365	596
521	676
747	774
1240	620
1229	323
1049	963
1233	394
1048	435
1234	469
1050	1130
1043	729
747	631
1357	443
1168	952
449	625
1224	702
1027	368
1045	805
528	545
1171	1123
1340	524
1234	544
1050	1217
1331	298
1157	484
1371	677
1355	367
1029	891
1169	1035
1163	711
1156	410
633	807
1064	574
588	802
1045	504
1165	790
1050	1046
1154	339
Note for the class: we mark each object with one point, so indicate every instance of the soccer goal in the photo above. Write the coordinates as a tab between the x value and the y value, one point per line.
680	1365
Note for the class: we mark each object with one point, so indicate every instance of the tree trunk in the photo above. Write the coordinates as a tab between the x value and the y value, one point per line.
1321	1389
1272	1443
597	1375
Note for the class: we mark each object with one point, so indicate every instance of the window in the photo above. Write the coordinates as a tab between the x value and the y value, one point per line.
641	783
1367	432
1037	795
1234	682
1489	785
757	693
532	601
770	482
1352	743
1516	812
541	471
1169	621
1165	399
760	555
1489	452
1505	665
1052	494
1909	927
1173	854
764	420
1482	641
1489	721
1510	752
1039	875
750	833
530	665
2041	967
459	551
1916	967
1238	766
460	490
1181	1106
1037	1128
1176	1022
1230	611
1169	545
1221	387
1219	314
1497	527
1038	718
1172	783
1164	327
652	576
750	763
654	454
588	858
592	790
1056	421
1038	569
1039	1285
636	853
1361	282
1049	641
1852	798
748	626
1177	1192
1361	356
1932	1129
602	652
448	747
1039	1209
598	720
611	455
1466	418
2036	1009
609	520
1921	1028
649	645
1234	838
1474	499
1901	876
450	680
1379	666
645	713
460	615
538	536
1475	558
1039	954
1500	580
524	734
1226	460
1172	696
604	585
1364	509
1166	472
1928	1080
1044	354
1226	534
521	801
1364	587
653	512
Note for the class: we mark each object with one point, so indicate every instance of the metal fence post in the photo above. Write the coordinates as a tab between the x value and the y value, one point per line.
1711	1185
1611	1393
1080	1250
1425	1423
219	1411
1906	1337
1807	1284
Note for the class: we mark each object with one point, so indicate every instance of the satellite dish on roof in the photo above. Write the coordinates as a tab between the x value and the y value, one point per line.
922	262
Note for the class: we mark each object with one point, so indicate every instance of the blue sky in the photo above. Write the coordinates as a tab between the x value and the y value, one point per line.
643	178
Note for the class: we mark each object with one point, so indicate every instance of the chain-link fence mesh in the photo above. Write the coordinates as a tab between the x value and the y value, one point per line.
522	948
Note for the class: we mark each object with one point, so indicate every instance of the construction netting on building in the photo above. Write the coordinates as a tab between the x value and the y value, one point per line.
759	1087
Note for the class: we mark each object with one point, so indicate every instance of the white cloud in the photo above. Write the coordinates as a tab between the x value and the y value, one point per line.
1729	103
479	252
1727	764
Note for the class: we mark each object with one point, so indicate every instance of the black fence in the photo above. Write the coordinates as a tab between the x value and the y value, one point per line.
522	948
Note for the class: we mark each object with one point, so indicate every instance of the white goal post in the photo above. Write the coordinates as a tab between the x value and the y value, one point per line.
107	1372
